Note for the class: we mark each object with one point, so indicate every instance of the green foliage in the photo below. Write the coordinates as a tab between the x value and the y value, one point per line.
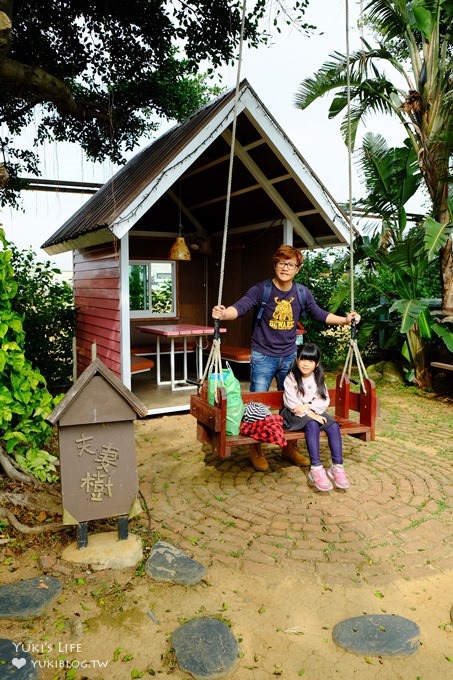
397	261
407	73
45	304
325	273
407	277
162	297
105	74
136	294
391	176
25	401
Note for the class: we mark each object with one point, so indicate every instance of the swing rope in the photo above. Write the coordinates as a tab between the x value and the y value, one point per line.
353	350
214	361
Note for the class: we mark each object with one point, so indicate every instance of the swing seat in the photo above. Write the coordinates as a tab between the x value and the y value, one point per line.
211	419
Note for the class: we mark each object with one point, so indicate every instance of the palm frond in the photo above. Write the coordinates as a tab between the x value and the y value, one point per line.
363	104
389	15
425	324
332	75
391	177
403	282
340	294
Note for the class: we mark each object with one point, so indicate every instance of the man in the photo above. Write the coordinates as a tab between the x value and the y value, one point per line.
278	306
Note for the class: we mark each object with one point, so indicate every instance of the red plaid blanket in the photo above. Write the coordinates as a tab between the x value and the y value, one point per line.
268	429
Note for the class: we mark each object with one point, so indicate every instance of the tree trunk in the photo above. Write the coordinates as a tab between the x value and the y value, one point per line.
13	472
421	366
446	272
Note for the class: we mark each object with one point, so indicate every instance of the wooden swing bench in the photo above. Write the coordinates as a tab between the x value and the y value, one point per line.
211	419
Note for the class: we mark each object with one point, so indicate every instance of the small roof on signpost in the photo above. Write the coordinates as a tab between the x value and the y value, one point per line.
97	368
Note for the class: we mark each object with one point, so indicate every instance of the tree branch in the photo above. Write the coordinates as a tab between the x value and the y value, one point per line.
5	34
33	78
12	472
14	522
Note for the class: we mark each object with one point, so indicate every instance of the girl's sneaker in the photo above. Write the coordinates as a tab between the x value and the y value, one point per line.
338	476
317	476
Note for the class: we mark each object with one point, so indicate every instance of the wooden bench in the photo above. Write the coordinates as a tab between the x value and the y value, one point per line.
211	419
239	355
140	364
442	365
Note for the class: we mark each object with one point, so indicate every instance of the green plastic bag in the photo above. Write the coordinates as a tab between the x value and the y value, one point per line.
235	405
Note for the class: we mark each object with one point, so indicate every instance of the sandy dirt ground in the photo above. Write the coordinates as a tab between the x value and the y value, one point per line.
280	596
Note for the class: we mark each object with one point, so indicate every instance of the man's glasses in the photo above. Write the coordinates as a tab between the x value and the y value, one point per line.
286	265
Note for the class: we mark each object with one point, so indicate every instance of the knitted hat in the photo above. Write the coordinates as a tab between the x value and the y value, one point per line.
255	410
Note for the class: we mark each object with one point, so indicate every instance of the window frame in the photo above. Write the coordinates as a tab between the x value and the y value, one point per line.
148	313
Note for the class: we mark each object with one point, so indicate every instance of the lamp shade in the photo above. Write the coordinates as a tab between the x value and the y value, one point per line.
179	250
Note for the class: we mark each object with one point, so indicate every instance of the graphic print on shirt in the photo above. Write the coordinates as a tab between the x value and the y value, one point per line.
282	318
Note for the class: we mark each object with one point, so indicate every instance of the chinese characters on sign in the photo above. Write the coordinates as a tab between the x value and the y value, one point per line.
99	484
98	470
97	447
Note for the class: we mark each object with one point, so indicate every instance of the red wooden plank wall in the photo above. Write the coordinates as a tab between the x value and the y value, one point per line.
97	300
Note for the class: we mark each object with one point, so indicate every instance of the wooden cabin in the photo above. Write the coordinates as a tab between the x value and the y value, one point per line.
177	187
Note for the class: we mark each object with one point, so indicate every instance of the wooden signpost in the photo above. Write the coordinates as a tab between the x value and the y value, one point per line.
97	450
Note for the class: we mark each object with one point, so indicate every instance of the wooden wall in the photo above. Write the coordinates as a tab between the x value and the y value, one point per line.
191	289
248	260
97	290
97	302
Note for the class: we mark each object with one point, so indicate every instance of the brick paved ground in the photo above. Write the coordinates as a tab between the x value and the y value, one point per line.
285	564
395	521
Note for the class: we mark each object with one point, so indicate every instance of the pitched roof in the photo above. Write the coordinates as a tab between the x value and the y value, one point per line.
188	166
97	367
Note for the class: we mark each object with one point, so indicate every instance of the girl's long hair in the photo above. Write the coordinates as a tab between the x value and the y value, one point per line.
311	352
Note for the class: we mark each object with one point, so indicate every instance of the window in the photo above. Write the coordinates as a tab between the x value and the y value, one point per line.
152	289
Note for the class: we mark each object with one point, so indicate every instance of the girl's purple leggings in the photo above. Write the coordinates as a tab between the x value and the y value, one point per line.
312	435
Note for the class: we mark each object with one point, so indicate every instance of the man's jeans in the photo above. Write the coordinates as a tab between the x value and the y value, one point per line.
264	368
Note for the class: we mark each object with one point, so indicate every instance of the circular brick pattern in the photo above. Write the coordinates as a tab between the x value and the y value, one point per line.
393	521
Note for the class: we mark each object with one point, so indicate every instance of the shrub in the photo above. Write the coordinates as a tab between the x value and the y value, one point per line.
45	303
25	402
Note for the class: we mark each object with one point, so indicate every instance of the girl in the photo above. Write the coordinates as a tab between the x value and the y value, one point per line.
305	400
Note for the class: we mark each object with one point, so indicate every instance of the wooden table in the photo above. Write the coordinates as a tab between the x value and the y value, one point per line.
179	331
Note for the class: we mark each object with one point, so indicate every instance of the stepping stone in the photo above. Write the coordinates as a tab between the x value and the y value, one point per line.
16	664
28	598
378	635
167	563
205	648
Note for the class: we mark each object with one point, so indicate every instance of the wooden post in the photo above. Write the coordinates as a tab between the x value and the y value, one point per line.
82	534
123	528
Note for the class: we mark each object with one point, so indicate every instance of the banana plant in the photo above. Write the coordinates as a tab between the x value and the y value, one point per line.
396	260
407	72
402	269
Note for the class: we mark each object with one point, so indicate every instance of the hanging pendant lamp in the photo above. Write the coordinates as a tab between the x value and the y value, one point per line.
179	249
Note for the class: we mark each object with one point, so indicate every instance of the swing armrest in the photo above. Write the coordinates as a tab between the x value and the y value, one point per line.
211	415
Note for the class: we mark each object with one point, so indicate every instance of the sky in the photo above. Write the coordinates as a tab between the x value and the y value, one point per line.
275	73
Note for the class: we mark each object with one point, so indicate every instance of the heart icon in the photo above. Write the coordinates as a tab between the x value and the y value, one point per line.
19	662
